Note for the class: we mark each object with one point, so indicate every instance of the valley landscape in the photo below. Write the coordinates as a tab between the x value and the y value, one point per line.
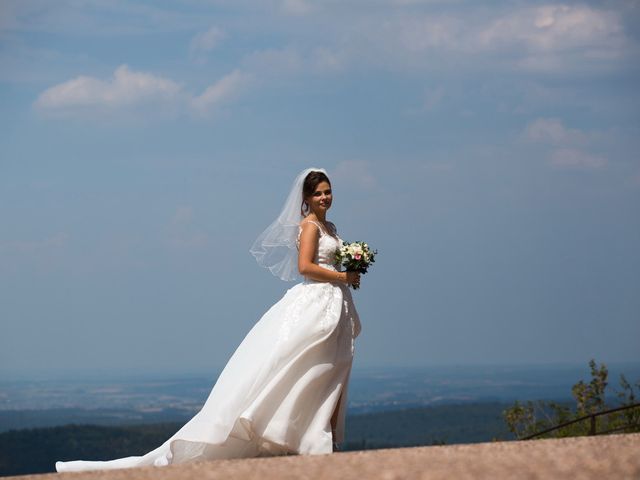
47	418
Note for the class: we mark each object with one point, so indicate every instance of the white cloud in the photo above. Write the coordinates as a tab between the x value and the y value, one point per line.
565	146
574	158
556	37
550	39
325	59
30	246
553	28
553	131
296	7
224	89
205	42
406	39
128	90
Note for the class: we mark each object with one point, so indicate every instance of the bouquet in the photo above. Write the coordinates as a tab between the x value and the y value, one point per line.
355	257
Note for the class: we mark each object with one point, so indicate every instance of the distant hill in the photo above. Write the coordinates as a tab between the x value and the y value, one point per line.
36	450
55	417
444	424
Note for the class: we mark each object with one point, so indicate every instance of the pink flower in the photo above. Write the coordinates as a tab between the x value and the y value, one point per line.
357	256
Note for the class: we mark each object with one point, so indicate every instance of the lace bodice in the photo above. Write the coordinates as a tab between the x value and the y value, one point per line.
328	243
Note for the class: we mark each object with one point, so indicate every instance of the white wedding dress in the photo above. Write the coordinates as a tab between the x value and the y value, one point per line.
281	386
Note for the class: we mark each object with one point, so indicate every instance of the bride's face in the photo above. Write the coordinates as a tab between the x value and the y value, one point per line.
321	199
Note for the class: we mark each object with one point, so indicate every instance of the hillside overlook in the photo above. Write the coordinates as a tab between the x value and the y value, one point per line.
609	456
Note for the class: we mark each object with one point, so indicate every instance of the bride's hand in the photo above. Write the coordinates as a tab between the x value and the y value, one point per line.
353	278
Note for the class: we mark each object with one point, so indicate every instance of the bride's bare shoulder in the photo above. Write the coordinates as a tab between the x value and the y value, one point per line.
308	221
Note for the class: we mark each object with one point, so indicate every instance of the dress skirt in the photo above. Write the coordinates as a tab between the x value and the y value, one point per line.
278	391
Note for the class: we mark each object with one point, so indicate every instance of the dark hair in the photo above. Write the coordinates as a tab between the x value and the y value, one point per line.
311	181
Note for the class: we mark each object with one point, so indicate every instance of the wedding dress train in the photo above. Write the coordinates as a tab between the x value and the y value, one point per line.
280	388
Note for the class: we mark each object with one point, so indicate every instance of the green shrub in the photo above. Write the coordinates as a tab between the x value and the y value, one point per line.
535	416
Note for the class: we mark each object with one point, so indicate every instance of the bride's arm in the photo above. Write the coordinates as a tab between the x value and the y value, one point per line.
306	266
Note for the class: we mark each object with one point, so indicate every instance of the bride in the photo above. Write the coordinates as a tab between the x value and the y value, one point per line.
284	389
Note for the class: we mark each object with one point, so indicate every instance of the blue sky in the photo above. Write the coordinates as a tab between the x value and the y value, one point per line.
489	151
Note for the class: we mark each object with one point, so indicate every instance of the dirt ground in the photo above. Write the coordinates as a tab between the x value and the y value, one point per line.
600	457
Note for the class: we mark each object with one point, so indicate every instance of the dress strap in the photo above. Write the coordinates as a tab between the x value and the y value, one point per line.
317	224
